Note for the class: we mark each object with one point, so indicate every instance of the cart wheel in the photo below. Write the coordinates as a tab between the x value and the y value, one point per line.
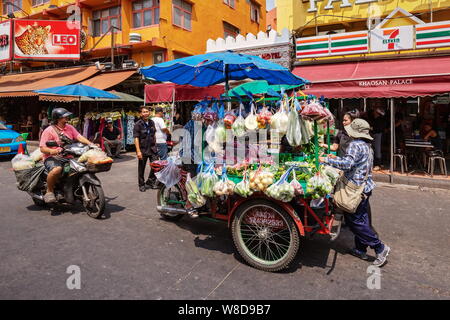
265	235
167	194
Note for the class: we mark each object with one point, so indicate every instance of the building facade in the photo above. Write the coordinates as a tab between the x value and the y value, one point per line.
146	31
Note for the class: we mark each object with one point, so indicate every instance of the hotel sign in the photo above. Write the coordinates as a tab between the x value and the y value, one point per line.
341	3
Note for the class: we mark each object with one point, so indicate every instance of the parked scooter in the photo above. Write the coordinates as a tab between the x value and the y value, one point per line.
78	182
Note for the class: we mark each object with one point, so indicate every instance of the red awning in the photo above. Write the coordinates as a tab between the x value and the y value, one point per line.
164	92
379	79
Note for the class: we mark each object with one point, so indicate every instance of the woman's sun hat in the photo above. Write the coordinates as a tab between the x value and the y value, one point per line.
359	128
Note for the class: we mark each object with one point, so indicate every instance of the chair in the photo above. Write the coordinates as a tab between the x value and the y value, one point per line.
433	156
403	161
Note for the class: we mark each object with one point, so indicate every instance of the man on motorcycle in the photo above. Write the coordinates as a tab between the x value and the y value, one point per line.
62	133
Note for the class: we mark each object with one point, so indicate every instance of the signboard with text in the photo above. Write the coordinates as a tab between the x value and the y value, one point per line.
5	41
392	39
46	40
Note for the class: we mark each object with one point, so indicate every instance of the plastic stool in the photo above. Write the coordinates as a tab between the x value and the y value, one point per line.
403	162
441	160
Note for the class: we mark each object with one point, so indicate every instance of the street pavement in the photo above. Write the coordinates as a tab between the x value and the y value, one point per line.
134	254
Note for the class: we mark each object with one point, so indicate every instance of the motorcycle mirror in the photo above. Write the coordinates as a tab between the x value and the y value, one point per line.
51	144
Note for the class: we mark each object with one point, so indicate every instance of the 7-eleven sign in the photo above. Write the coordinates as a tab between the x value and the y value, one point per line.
392	39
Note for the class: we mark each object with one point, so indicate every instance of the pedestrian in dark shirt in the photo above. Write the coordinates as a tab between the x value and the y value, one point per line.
112	138
378	123
342	139
145	142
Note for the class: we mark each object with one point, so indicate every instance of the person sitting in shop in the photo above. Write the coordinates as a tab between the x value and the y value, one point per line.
431	135
342	139
112	138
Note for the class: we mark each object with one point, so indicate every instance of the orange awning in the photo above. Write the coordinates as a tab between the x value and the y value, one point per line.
56	98
17	84
108	79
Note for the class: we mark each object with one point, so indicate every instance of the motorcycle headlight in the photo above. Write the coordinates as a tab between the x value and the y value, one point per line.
19	139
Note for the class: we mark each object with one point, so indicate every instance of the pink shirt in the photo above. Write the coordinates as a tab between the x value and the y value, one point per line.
50	134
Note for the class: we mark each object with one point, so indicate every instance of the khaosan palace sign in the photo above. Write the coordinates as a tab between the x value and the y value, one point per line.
421	36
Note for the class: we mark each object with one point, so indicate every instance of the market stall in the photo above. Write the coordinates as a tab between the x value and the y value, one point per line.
269	198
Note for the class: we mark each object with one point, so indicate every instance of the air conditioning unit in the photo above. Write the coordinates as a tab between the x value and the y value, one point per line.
135	37
129	64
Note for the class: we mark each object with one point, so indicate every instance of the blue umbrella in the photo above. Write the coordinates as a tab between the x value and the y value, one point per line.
78	90
212	68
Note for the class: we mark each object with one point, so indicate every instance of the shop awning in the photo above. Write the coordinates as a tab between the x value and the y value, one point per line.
107	80
163	92
379	79
19	85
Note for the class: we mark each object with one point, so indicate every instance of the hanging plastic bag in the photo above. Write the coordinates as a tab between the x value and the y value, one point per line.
22	162
220	132
194	195
28	179
263	118
210	115
313	111
229	119
243	188
170	175
209	179
239	124
294	133
280	119
298	189
261	179
224	187
306	135
282	190
332	173
210	134
251	122
319	186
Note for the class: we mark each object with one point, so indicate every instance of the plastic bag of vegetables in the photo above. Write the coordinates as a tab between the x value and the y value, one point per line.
332	173
251	122
170	175
294	133
194	195
260	180
282	190
243	188
229	119
319	186
280	119
239	124
209	179
224	187
306	134
298	189
264	118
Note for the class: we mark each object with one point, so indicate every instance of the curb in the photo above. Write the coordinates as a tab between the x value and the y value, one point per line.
413	181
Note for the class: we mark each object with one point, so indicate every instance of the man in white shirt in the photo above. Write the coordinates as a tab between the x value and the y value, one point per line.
161	133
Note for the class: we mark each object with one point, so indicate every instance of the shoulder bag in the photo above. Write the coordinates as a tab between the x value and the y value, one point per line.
348	195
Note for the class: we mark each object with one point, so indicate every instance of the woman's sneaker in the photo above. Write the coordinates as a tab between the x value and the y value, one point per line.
382	257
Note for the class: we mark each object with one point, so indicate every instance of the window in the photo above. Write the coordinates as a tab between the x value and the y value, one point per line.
38	2
182	14
104	19
145	13
8	8
230	30
229	3
254	13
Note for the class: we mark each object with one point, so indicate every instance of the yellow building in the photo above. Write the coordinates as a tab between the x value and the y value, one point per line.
148	31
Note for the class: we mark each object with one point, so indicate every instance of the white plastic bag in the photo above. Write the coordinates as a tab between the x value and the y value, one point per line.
170	175
294	133
36	155
22	162
251	120
280	119
239	124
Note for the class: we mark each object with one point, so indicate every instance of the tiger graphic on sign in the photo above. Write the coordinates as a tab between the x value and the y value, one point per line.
32	40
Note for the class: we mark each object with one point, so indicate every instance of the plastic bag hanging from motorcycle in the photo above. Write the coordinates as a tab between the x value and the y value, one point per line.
28	179
170	175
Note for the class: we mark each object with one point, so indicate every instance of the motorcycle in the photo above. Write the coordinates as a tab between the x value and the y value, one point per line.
78	182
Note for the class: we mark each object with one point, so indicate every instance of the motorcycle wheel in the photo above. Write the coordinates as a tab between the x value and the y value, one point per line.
265	235
164	195
96	205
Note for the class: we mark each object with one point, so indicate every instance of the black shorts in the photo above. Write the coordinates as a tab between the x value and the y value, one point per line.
53	162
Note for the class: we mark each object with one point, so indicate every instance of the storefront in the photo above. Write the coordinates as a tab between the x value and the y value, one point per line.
412	94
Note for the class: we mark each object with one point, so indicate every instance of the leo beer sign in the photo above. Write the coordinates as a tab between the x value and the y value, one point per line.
46	39
5	41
